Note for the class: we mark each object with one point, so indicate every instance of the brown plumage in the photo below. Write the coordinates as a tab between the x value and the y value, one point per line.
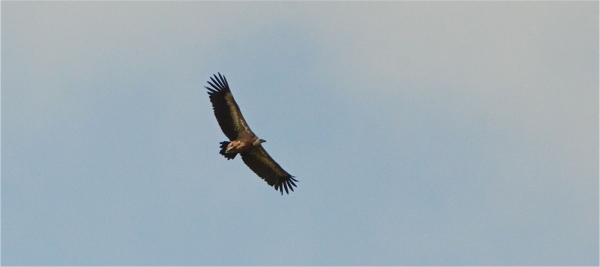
242	140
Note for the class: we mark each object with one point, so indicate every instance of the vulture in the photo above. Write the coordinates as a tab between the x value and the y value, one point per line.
242	140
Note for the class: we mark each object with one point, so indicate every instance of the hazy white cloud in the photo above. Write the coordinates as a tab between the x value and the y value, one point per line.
421	132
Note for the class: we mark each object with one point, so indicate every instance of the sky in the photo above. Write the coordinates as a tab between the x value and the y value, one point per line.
421	133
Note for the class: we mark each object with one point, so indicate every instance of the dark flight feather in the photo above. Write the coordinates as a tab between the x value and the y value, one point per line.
259	161
226	110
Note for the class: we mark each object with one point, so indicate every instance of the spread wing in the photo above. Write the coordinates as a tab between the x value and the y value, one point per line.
226	110
264	166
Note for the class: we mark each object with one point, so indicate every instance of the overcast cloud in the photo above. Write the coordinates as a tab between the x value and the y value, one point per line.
422	133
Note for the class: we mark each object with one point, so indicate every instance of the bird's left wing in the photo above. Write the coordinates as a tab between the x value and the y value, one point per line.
266	168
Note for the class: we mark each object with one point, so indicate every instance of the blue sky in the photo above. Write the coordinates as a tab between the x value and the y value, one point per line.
422	133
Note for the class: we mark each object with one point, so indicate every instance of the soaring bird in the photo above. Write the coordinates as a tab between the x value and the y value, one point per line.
242	140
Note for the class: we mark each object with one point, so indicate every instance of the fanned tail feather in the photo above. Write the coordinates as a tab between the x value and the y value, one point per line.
229	156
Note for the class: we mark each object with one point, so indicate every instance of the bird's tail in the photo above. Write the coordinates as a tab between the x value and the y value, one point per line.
229	156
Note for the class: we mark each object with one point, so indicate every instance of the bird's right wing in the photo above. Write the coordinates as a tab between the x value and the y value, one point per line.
226	110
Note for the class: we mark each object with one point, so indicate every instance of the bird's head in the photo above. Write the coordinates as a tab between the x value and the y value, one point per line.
259	141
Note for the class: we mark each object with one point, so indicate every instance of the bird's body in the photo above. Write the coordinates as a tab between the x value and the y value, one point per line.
242	140
243	144
238	146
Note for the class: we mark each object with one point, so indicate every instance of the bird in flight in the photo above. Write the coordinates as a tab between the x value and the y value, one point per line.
242	140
